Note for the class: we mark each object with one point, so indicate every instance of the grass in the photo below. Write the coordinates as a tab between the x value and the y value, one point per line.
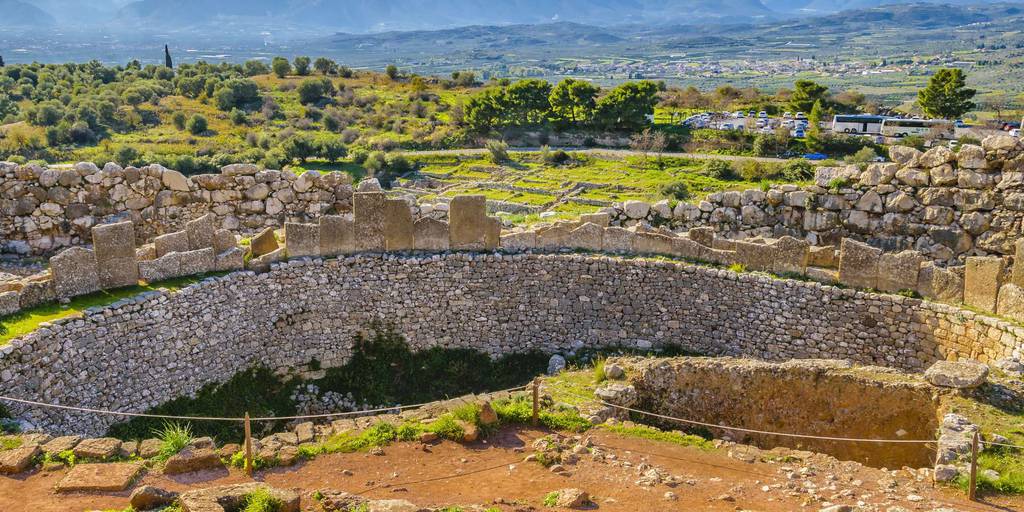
599	375
1007	462
10	442
174	437
1003	417
654	434
551	499
26	321
261	500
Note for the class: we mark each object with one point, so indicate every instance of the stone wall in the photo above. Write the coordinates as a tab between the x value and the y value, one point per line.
946	205
140	352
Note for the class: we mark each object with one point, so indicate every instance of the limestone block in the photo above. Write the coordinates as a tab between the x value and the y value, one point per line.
618	240
636	209
196	262
825	177
760	257
398	227
913	177
230	260
965	374
174	180
74	272
721	256
200	231
114	241
589	236
431	234
704	236
971	156
171	242
118	272
791	255
1011	302
899	271
302	240
263	243
223	241
262	263
10	303
160	269
858	264
468	222
35	293
492	233
600	219
982	278
685	248
337	235
940	284
554	237
823	256
905	155
652	243
368	226
1017	277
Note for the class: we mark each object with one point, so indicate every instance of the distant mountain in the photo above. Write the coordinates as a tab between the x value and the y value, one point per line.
18	13
834	6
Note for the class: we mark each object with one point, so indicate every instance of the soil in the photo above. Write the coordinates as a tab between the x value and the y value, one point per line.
493	472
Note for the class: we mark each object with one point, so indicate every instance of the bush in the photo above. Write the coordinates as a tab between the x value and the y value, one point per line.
678	190
399	164
238	117
359	156
197	124
798	170
179	120
863	156
498	151
375	162
718	169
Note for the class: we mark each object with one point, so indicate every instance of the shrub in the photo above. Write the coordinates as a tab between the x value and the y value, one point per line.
399	164
498	151
197	124
359	156
551	499
863	156
678	190
718	169
179	120
238	117
837	183
798	170
375	162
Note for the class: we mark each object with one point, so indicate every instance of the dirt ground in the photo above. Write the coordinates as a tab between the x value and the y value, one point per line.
493	472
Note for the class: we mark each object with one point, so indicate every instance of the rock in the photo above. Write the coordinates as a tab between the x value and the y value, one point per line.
17	460
636	209
148	497
837	508
617	394
112	477
572	498
936	156
470	432
614	371
150	448
231	497
904	155
428	437
97	449
61	444
369	185
264	243
556	364
957	374
1011	366
945	473
990	474
174	180
192	459
487	414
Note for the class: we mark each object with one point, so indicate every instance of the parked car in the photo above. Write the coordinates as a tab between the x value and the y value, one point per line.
815	156
1015	132
752	114
801	116
762	114
738	114
787	115
799	133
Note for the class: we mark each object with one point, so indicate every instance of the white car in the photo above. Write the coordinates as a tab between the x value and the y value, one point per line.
1015	132
738	114
787	115
762	114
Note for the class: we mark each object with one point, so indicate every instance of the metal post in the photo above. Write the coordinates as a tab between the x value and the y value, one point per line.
248	446
974	467
536	400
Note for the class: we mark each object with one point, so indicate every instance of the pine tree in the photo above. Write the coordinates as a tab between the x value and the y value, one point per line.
167	57
947	95
815	139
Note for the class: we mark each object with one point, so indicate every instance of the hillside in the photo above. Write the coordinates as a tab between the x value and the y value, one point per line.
19	13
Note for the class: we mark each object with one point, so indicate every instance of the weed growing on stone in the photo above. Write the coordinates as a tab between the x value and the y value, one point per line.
238	461
551	499
9	442
174	437
599	375
261	500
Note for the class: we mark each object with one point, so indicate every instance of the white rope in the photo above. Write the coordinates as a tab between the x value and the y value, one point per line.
217	418
990	443
753	431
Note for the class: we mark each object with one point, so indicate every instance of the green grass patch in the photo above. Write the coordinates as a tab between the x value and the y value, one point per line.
654	434
174	437
261	500
26	321
10	442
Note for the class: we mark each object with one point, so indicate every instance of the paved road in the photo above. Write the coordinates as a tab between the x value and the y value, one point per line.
603	151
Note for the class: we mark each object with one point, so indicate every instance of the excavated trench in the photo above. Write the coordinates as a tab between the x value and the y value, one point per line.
812	397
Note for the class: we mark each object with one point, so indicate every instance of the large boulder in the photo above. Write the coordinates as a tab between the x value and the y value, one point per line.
18	459
148	497
636	209
573	498
231	497
192	459
964	374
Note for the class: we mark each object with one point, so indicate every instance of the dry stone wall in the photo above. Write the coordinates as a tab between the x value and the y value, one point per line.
140	352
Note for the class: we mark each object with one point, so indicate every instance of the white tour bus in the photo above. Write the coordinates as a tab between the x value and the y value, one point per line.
892	127
857	124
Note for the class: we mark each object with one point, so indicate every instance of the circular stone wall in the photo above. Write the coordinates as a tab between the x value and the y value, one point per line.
138	353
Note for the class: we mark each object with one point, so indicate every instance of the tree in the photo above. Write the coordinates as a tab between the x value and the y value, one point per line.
573	100
946	95
1	61
391	71
237	93
167	57
312	90
627	106
526	102
325	66
281	67
197	124
807	93
301	66
331	149
179	120
815	139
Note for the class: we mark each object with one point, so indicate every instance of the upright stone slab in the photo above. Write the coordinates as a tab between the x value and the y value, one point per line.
337	235
589	237
704	236
263	243
940	284
302	240
759	257
171	242
468	223
10	302
618	240
791	255
201	232
165	267
600	219
197	262
223	241
554	237
430	234
74	272
858	264
685	248
398	228
230	260
982	278
492	234
1017	277
519	241
368	227
899	271
652	243
114	246
1011	302
823	256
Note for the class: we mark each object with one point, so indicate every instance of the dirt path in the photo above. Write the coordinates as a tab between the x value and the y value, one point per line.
493	472
617	153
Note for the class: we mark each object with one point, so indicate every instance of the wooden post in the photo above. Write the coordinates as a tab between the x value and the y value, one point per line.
536	401
974	467
248	446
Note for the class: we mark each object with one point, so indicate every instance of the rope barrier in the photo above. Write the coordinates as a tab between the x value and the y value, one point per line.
218	418
991	443
754	431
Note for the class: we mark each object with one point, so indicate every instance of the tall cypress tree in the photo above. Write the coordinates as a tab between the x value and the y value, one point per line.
167	57
1	61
